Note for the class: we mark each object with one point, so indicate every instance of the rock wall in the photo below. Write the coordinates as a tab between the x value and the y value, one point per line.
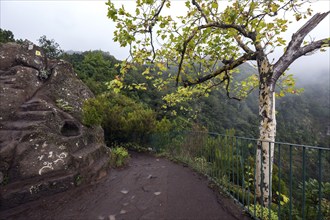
44	147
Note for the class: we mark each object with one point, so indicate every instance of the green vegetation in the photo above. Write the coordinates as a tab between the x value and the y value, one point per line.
119	157
262	212
306	124
229	162
5	180
78	180
50	47
64	105
122	119
6	36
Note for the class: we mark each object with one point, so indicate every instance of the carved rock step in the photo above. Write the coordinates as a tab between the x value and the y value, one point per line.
98	169
35	105
33	115
32	189
20	125
88	153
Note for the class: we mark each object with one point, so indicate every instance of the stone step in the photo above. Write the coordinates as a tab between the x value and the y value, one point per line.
25	191
89	159
20	125
33	115
100	167
35	105
86	151
96	170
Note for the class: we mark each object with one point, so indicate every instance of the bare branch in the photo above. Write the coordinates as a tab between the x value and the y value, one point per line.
153	22
155	17
152	45
313	46
243	45
233	64
200	10
227	87
294	50
183	52
239	28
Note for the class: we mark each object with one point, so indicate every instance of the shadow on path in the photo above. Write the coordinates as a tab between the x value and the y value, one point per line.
150	188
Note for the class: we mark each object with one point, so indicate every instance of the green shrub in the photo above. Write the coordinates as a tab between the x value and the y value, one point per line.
93	111
123	119
312	198
262	212
119	157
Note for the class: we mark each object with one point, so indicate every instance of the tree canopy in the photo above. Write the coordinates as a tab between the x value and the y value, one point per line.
6	36
211	39
51	48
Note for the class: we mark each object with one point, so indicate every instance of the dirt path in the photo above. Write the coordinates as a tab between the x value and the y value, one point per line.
150	188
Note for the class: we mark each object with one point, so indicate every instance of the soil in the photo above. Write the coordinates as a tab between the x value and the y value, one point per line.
148	188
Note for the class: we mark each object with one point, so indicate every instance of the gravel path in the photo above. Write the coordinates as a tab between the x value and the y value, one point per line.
149	188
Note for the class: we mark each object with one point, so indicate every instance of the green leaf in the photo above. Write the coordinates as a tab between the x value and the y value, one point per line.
214	4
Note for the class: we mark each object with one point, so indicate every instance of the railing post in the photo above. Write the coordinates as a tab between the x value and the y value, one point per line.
290	158
262	183
237	168
279	181
319	214
270	177
254	181
304	183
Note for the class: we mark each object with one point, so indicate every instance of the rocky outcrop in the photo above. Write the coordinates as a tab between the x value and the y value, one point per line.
44	147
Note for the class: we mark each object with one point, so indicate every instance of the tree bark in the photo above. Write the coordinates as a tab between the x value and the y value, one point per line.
267	129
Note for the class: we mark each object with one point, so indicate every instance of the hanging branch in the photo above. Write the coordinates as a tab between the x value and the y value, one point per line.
231	65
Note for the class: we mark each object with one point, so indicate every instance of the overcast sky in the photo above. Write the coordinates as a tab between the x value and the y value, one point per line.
83	25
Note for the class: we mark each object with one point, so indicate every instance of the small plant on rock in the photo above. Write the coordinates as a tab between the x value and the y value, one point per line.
119	157
64	105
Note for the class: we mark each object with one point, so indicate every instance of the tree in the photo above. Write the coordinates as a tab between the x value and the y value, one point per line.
51	48
208	43
6	36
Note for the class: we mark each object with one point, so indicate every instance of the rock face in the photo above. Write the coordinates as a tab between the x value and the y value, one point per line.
44	147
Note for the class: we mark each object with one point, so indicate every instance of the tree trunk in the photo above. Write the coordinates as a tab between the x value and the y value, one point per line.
265	147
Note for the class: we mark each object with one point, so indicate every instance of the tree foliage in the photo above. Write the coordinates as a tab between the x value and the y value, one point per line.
208	42
306	124
123	119
6	36
51	48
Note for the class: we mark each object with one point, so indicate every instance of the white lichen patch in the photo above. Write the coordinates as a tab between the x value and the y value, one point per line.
49	165
62	147
50	154
44	144
34	189
61	157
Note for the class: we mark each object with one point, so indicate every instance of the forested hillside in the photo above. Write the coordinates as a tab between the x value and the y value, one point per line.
302	118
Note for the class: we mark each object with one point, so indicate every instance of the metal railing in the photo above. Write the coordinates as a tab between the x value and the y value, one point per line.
300	179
